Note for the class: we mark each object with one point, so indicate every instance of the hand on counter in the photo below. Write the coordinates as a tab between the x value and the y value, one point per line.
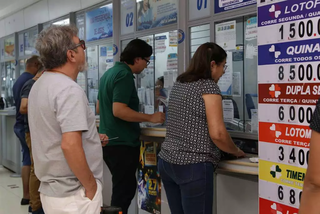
104	139
239	154
158	117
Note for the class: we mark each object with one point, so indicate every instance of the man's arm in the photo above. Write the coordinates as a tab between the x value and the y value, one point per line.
71	146
71	112
123	112
97	107
122	92
24	106
25	91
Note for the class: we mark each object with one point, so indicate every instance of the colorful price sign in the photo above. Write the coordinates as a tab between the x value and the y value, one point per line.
288	82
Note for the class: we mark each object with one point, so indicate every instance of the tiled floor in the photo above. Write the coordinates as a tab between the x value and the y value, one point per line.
10	194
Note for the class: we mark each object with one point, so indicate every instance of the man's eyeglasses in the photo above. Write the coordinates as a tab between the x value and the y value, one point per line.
82	43
148	62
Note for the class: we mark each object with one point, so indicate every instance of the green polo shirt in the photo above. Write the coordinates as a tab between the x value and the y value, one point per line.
117	85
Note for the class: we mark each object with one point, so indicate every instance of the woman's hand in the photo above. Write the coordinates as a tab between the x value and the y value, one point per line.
239	154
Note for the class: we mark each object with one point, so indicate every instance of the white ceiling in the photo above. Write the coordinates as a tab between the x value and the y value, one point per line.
8	7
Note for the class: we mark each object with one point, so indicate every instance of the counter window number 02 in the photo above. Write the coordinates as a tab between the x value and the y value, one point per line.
302	71
201	3
292	197
303	157
129	19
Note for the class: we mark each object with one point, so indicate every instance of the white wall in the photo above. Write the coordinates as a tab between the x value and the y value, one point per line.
87	3
32	18
59	8
40	12
14	23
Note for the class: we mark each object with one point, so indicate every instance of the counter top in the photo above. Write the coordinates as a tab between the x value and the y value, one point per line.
241	165
149	132
8	112
161	133
154	132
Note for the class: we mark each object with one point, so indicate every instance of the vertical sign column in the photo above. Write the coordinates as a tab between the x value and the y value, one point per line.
288	81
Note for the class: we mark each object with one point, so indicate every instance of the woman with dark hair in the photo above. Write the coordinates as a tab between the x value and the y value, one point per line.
195	134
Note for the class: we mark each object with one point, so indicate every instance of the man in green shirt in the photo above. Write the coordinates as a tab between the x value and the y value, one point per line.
120	118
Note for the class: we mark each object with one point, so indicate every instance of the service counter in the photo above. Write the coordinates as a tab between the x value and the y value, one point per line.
10	149
235	181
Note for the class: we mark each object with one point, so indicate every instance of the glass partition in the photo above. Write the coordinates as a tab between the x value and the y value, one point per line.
95	27
239	84
166	67
46	25
3	80
92	73
146	82
29	42
62	22
9	44
198	36
80	20
22	66
124	43
251	73
156	81
99	59
105	58
8	77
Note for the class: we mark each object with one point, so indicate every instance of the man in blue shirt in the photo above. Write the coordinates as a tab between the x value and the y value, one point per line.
32	66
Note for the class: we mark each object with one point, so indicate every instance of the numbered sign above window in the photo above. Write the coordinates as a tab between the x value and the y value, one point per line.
199	9
127	16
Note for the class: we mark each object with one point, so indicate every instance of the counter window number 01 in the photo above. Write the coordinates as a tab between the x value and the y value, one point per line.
292	197
303	157
201	3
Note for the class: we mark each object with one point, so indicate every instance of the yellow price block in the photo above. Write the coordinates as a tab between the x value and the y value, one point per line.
282	174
